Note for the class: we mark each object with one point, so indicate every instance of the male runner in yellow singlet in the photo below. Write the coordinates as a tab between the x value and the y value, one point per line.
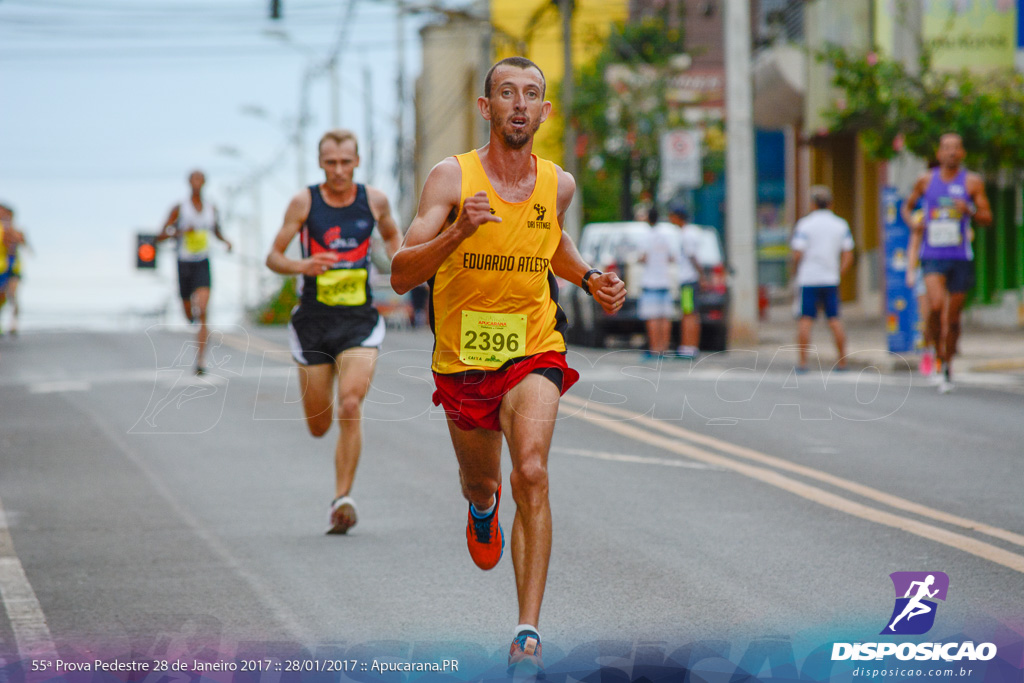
488	237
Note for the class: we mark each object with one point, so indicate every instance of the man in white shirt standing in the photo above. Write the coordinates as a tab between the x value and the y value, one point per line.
655	306
691	279
822	253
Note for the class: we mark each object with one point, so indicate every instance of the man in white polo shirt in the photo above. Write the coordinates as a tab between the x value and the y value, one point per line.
822	252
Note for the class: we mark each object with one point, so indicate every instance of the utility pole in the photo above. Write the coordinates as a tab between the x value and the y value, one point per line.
739	169
401	171
574	214
300	129
332	67
371	144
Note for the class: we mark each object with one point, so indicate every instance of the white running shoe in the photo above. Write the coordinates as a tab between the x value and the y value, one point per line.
945	382
343	515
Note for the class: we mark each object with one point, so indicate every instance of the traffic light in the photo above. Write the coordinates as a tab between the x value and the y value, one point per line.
145	251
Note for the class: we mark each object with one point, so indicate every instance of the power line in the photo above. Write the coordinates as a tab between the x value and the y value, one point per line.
169	52
193	8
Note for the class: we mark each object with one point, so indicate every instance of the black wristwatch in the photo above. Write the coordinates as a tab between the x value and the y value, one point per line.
586	276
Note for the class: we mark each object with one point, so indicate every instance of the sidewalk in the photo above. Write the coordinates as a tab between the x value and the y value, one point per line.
982	350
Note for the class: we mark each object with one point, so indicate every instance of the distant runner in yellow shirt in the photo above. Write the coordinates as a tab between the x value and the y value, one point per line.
11	239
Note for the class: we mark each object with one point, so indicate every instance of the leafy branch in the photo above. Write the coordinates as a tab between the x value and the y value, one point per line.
895	110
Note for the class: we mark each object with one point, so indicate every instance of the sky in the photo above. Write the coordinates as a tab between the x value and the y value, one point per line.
109	104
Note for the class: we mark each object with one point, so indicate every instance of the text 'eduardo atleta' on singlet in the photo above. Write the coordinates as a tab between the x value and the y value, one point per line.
495	299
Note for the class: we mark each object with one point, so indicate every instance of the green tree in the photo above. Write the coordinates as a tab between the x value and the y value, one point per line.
893	109
277	309
620	108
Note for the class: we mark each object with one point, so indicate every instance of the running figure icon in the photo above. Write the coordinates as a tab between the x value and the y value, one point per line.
916	607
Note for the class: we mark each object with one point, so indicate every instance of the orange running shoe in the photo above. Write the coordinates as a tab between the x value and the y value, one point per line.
484	537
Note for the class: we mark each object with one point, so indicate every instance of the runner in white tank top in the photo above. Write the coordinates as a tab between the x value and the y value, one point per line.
191	223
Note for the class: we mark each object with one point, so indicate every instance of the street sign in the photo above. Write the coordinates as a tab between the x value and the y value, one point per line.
680	161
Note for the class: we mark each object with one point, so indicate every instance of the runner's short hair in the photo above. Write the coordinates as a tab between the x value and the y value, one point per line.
519	63
821	196
339	135
952	134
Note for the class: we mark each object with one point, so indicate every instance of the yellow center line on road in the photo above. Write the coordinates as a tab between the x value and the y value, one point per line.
810	473
252	343
952	539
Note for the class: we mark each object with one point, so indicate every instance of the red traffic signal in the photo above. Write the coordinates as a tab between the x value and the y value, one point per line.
145	252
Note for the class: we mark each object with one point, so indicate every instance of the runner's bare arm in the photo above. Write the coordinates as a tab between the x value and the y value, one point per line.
429	242
386	225
167	232
976	191
217	232
608	290
907	210
294	218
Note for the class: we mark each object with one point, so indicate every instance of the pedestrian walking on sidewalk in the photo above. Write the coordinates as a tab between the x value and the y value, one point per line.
952	197
822	253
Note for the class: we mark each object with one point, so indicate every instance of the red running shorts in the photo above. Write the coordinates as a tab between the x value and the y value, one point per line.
473	399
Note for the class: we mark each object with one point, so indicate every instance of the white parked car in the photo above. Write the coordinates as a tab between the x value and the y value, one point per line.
616	247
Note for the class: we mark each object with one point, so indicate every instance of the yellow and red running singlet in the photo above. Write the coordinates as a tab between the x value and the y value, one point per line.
495	298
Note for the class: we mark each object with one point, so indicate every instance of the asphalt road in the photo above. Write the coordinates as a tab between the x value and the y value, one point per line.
155	513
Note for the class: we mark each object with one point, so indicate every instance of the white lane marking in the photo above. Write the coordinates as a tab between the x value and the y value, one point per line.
58	387
86	381
635	459
25	615
726	374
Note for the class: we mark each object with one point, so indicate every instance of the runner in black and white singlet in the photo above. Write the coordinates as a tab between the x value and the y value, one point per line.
191	223
335	331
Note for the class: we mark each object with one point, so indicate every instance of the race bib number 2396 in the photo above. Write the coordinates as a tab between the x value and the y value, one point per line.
489	340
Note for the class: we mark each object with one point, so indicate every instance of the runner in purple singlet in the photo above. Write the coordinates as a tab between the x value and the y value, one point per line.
951	198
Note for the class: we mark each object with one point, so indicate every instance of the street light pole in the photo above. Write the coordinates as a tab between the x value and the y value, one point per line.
574	214
332	67
739	169
401	170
